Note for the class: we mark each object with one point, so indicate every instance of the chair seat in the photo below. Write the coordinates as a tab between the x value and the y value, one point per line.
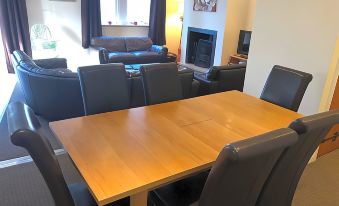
182	193
82	196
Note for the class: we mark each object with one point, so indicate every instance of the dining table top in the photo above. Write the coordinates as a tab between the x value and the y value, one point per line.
132	151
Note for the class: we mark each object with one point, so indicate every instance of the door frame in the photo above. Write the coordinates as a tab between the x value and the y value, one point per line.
331	80
330	84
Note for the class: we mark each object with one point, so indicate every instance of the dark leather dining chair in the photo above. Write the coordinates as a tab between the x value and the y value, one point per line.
236	177
286	87
280	187
161	83
104	88
24	129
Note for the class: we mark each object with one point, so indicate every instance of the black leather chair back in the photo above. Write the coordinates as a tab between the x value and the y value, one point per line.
161	83
286	87
231	78
282	183
242	168
104	88
24	129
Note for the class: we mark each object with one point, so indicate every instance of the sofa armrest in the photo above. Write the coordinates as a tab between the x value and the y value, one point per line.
103	55
53	63
159	49
206	86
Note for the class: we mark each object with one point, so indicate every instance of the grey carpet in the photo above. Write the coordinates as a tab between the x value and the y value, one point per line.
319	184
7	149
23	185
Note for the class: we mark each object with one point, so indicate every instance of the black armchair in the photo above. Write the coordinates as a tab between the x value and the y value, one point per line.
221	79
49	88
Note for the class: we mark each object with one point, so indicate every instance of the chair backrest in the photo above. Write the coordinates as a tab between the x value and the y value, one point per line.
242	168
282	183
231	77
286	87
104	88
161	83
24	129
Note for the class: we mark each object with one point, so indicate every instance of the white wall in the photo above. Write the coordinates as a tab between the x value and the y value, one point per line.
297	34
3	66
205	20
64	20
125	31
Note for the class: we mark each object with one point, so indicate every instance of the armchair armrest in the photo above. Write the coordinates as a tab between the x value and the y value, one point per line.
195	88
53	63
206	86
159	49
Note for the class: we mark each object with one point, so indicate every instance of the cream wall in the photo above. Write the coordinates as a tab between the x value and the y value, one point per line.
240	15
251	13
297	34
331	80
174	9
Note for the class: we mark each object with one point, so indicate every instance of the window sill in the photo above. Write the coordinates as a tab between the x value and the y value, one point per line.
125	25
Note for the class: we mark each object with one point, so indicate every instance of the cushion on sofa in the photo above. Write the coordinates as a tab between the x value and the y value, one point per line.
145	53
120	56
114	44
138	43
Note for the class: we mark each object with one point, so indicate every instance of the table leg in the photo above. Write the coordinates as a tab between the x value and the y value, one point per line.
139	199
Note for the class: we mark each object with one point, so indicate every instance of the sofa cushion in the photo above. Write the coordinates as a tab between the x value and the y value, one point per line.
146	54
120	57
114	44
138	43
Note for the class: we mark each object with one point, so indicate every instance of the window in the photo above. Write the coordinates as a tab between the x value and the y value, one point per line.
125	12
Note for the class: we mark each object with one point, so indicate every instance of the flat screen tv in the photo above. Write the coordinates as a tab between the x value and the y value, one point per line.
244	42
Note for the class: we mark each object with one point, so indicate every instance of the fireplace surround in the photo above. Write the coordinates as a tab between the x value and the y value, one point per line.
200	49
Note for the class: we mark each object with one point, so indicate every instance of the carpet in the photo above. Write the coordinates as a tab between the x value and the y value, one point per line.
23	185
319	184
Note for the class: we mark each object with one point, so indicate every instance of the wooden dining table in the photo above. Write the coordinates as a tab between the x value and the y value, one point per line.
131	152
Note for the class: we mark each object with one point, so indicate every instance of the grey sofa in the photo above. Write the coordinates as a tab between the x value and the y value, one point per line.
221	79
54	93
130	50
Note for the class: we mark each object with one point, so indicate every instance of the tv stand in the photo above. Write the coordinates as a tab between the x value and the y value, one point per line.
237	59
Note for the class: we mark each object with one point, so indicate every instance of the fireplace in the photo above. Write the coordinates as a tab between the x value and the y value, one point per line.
200	49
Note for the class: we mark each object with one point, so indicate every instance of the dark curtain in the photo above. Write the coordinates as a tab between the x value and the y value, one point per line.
157	22
14	29
90	20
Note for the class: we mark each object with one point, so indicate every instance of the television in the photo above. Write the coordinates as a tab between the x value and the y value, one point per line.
244	42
